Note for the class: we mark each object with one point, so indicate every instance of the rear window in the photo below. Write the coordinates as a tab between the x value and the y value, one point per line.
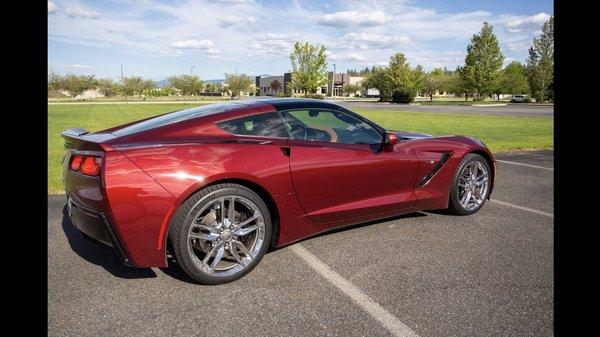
265	125
175	117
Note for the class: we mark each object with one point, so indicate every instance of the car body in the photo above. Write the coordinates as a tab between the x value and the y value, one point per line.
520	99
311	177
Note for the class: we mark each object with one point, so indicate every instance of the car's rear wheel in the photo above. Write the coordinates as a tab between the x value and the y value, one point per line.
470	185
220	233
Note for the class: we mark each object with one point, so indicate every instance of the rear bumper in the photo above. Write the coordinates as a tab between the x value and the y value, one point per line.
95	224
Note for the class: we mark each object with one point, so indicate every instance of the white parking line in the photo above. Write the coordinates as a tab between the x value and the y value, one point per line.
373	308
534	166
522	208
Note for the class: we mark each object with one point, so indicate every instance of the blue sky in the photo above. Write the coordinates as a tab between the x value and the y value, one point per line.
156	39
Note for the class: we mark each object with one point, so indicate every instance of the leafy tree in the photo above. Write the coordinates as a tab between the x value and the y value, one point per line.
187	84
540	63
237	84
136	85
309	67
463	84
57	82
108	87
512	80
483	61
435	81
379	80
400	73
418	79
351	89
276	86
78	84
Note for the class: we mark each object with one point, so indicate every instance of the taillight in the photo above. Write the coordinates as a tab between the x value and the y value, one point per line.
88	165
76	162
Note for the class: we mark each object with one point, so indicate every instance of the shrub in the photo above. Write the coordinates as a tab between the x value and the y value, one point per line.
403	96
478	99
315	96
527	99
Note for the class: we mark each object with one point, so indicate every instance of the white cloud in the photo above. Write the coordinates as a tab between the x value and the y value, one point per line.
353	57
232	20
519	46
352	18
275	44
79	66
51	7
167	53
205	45
232	2
527	23
369	41
436	59
83	13
229	21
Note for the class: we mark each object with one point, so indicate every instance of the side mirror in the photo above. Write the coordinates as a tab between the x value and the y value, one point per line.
390	139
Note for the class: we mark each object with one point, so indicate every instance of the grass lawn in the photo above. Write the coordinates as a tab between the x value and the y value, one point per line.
500	133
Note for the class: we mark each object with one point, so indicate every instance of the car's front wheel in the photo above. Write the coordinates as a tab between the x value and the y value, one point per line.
470	185
220	233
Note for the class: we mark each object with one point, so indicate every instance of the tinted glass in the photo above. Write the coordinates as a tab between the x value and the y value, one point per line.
175	117
265	125
329	126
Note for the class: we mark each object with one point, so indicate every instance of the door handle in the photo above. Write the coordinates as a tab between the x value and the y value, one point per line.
285	150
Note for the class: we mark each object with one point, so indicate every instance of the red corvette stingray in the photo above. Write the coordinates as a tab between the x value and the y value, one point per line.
214	186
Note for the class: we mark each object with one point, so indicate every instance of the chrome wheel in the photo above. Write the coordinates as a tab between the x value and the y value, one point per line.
473	184
226	235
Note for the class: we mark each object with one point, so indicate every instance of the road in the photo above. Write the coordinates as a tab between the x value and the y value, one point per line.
437	274
505	110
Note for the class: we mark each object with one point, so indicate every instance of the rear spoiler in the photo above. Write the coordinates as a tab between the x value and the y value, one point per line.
75	132
82	139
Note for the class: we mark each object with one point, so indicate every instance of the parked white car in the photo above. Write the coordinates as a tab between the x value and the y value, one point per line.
521	99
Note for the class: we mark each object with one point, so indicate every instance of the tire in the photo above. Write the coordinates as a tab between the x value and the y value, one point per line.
457	191
189	243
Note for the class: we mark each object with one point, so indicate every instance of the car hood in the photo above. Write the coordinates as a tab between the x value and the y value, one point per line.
410	135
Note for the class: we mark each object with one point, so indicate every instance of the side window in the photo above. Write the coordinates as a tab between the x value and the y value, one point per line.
329	126
265	125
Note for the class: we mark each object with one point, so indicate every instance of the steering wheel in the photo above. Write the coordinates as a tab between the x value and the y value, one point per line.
298	131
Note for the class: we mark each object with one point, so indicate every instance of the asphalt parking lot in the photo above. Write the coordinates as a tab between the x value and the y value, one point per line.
504	110
432	273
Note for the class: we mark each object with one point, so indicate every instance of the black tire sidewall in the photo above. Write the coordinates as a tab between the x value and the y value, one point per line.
183	219
455	204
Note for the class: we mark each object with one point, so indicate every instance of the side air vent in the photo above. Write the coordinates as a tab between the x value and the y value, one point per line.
436	168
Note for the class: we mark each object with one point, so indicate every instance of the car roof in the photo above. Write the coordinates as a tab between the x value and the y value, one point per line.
294	103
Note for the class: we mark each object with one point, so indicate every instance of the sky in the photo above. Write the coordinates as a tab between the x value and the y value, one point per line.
156	39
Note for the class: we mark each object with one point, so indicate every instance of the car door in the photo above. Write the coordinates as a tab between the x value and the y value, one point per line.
339	170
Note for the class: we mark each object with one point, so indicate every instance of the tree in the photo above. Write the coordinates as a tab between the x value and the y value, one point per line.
238	83
379	80
418	79
435	81
136	85
512	80
351	89
187	84
57	82
107	87
399	73
309	67
483	61
276	86
540	63
78	84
